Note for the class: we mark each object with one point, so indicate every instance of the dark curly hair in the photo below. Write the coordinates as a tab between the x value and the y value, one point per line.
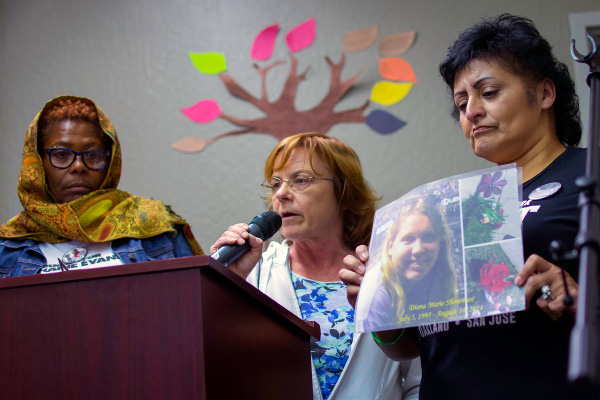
68	108
515	43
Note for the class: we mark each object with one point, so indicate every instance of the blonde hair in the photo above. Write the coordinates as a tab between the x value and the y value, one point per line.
356	198
442	272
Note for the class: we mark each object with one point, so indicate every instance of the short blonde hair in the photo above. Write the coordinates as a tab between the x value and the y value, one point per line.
356	198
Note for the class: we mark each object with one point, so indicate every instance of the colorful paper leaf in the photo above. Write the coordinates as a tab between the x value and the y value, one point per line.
189	145
396	44
388	93
396	69
360	39
383	122
203	111
264	43
302	35
209	63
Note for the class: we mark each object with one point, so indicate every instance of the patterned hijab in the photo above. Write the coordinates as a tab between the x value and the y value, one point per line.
100	216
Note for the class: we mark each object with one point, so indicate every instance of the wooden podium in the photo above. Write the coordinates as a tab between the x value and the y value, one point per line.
187	328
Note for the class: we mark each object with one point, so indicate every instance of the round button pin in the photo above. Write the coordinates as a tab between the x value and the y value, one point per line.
544	191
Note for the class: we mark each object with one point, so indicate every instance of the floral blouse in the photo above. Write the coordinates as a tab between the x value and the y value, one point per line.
326	303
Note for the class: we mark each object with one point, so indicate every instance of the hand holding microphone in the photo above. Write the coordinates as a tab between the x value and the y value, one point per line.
240	239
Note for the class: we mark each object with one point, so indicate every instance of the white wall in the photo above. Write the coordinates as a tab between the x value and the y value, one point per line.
131	57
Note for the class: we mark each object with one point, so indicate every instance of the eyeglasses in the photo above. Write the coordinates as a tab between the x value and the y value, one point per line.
297	183
64	158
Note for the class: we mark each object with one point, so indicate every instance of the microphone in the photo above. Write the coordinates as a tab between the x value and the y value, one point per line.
262	226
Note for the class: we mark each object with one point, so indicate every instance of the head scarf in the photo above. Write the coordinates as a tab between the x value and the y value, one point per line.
100	216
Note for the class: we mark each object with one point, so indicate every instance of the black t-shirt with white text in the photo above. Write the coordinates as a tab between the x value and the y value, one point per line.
520	355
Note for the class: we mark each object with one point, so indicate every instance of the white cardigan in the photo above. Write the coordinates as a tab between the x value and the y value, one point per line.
369	373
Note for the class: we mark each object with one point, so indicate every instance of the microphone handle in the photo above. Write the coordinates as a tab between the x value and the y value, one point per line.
230	253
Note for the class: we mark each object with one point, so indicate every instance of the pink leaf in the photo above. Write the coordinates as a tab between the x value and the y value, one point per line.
302	35
203	111
264	43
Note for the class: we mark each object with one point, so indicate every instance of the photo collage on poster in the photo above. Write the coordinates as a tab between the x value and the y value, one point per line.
446	251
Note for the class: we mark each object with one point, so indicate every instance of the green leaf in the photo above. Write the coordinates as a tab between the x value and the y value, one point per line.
211	63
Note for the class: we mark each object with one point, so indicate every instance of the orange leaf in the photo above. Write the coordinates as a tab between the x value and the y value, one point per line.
396	69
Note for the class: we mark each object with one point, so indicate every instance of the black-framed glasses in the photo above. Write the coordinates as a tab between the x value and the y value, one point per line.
297	182
63	158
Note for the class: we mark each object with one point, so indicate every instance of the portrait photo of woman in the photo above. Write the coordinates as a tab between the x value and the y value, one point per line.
416	275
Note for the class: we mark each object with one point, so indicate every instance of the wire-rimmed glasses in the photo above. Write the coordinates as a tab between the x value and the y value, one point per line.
297	182
62	158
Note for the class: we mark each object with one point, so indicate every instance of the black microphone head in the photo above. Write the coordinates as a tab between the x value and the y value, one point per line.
269	222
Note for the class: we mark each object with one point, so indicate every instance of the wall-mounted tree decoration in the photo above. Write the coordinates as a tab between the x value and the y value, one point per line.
281	118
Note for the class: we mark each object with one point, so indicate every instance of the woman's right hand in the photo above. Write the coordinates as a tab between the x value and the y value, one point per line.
353	272
238	235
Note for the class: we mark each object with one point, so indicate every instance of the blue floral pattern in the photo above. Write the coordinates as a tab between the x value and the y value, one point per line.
326	303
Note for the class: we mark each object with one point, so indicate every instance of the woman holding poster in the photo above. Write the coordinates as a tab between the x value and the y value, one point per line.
516	104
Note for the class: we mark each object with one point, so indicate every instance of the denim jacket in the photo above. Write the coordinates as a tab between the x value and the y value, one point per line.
24	257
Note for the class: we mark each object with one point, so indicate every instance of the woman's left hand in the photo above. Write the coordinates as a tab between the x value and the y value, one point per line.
537	273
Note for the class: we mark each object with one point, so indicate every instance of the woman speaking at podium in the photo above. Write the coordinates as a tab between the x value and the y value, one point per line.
315	183
74	217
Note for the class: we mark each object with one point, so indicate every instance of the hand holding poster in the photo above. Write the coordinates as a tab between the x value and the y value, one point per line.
447	251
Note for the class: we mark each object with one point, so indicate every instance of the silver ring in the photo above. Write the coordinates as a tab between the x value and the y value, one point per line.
547	293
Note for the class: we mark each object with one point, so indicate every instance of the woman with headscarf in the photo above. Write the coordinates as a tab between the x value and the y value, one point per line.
74	217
